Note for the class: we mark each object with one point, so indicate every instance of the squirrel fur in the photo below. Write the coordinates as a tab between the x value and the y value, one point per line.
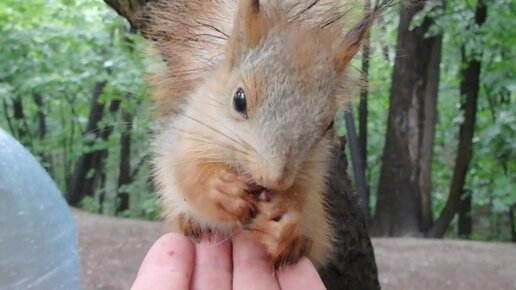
262	170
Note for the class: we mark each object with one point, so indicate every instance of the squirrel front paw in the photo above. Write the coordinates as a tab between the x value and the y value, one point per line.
229	192
277	227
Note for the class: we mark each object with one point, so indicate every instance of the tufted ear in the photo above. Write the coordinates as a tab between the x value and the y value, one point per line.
352	41
248	28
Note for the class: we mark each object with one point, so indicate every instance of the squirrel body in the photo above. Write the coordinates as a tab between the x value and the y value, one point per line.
247	101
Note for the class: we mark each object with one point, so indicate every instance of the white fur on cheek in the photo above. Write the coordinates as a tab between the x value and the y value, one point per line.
174	202
165	163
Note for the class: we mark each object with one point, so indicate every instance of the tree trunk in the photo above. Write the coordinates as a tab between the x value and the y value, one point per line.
427	142
354	265
399	202
512	223
356	161
42	130
465	224
469	86
363	112
125	176
99	180
42	122
23	133
8	118
80	183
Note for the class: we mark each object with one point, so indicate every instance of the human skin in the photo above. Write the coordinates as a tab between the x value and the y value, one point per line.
176	262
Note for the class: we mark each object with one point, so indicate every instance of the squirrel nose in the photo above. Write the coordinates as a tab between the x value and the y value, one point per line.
277	180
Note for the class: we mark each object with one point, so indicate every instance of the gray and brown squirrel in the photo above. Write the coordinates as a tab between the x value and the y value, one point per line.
246	100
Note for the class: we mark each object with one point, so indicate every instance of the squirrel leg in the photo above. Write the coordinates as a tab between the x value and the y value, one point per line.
278	228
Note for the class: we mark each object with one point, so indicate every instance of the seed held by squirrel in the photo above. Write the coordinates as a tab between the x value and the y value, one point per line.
246	102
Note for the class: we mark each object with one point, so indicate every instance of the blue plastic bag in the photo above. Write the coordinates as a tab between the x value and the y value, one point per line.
37	233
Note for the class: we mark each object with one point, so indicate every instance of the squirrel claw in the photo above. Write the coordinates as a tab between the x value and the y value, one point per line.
277	228
191	228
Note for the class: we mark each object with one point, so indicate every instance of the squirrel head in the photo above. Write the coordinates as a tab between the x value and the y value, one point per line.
268	109
267	98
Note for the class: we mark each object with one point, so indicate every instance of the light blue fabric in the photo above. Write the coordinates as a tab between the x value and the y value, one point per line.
38	236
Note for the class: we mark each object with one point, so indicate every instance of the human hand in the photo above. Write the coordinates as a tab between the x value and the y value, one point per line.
175	262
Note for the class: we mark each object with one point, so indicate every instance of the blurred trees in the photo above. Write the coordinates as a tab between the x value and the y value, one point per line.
470	63
438	130
402	206
469	90
70	87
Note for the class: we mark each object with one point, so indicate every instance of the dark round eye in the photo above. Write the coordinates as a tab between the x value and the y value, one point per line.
240	102
330	126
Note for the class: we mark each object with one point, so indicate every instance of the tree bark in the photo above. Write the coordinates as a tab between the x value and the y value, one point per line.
23	133
8	117
512	223
469	86
363	112
399	202
124	176
356	160
465	224
42	122
427	143
129	9
80	184
353	266
42	130
101	155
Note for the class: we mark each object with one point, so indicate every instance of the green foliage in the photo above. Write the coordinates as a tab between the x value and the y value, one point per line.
57	51
90	204
491	176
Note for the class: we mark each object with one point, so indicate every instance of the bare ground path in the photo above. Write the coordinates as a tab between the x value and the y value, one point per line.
112	249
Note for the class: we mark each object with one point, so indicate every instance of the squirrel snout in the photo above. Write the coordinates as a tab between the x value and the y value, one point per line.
276	180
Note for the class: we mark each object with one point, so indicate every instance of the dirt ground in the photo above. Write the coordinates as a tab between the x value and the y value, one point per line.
112	249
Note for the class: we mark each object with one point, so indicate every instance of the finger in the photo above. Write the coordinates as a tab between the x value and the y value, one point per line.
301	275
212	263
167	265
251	269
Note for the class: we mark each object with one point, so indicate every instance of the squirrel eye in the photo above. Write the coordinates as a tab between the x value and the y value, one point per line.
240	102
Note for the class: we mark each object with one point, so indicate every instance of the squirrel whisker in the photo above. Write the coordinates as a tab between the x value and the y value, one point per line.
194	134
240	141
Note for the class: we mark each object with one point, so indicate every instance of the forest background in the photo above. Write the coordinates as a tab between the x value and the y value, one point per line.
435	147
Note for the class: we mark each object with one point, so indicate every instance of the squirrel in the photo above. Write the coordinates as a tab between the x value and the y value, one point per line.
246	101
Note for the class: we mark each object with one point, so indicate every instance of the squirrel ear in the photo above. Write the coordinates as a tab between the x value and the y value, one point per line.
248	27
250	23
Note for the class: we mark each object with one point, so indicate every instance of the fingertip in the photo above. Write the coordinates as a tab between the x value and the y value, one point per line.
245	249
302	274
170	261
169	248
212	262
251	267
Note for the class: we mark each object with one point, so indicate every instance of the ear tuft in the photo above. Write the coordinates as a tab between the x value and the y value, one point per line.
253	29
352	41
248	29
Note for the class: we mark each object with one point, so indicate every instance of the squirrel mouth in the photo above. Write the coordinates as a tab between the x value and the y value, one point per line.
260	192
